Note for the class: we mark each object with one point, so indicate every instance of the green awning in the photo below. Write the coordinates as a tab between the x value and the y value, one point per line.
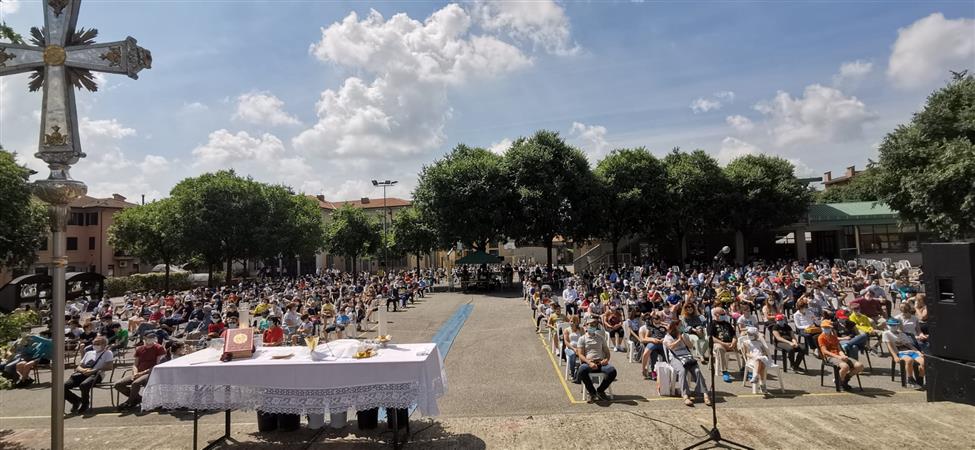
480	258
850	211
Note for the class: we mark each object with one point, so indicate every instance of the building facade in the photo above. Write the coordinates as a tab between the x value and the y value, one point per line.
88	249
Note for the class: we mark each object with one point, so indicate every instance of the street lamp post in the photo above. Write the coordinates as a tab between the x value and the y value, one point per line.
385	184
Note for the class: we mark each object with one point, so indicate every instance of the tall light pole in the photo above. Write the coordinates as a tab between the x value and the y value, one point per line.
385	184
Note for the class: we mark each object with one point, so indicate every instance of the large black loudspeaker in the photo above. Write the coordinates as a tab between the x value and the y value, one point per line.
949	271
949	380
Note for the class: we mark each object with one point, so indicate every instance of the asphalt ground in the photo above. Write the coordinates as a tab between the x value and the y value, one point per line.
499	371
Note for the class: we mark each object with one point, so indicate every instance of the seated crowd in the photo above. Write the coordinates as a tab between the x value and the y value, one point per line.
660	316
167	325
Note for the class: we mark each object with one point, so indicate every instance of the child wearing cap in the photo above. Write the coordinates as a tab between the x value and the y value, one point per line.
902	348
829	348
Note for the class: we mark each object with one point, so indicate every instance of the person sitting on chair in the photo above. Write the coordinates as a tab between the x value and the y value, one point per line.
784	338
146	356
758	354
684	364
806	323
652	338
274	336
902	348
829	348
87	375
852	339
593	354
723	339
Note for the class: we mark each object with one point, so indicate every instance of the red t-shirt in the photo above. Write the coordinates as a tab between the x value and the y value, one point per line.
147	355
274	335
156	316
215	328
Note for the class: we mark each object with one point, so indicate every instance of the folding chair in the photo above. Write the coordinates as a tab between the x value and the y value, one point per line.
596	378
750	367
108	384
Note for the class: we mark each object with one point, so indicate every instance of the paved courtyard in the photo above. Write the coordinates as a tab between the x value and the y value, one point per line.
506	391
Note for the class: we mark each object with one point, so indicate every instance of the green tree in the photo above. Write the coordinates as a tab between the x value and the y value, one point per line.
927	167
634	193
222	216
8	34
465	197
697	190
24	225
860	188
153	232
352	233
292	224
413	234
764	194
555	190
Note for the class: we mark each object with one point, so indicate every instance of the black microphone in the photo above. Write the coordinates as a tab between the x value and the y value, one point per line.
724	251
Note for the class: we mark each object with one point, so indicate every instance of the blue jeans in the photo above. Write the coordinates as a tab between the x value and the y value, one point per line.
584	372
573	361
853	346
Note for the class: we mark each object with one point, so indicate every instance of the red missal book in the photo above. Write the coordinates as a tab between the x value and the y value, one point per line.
239	342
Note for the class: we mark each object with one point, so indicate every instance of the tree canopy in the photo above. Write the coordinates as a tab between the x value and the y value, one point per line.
861	188
153	232
696	185
555	190
465	197
764	193
352	233
633	193
927	167
412	234
24	226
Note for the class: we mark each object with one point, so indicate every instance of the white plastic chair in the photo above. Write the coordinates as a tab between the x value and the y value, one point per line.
597	379
750	368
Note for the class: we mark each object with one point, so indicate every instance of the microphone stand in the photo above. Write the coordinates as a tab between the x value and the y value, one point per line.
714	435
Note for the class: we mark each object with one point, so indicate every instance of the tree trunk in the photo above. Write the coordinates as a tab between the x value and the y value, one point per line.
615	253
230	270
166	278
355	268
683	247
246	273
739	247
548	252
418	263
210	275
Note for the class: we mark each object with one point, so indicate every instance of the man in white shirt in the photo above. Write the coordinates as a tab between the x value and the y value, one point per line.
570	296
88	374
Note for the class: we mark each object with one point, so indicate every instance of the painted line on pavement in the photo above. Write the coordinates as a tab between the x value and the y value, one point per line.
555	366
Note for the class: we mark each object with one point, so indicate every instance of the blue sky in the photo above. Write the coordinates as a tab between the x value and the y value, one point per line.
304	94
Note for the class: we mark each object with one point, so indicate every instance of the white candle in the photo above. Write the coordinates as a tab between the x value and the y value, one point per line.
382	320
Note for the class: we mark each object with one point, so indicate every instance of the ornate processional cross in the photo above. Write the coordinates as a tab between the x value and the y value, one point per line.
61	58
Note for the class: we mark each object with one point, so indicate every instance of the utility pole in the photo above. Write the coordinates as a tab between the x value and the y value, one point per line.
385	184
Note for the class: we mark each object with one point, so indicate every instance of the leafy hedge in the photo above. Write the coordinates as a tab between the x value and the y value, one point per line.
11	325
143	282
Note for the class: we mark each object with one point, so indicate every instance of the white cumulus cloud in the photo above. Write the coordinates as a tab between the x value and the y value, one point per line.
732	148
927	49
542	23
593	139
822	114
852	72
9	7
501	146
713	103
263	108
740	123
225	148
402	110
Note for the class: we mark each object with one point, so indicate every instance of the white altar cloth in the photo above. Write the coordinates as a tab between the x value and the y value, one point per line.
401	375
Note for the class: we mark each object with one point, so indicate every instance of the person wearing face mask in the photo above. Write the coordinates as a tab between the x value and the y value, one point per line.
786	340
146	356
902	348
829	348
652	337
758	353
685	365
723	340
593	353
87	375
806	324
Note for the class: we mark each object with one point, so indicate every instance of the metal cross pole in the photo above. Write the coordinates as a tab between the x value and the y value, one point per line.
62	58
